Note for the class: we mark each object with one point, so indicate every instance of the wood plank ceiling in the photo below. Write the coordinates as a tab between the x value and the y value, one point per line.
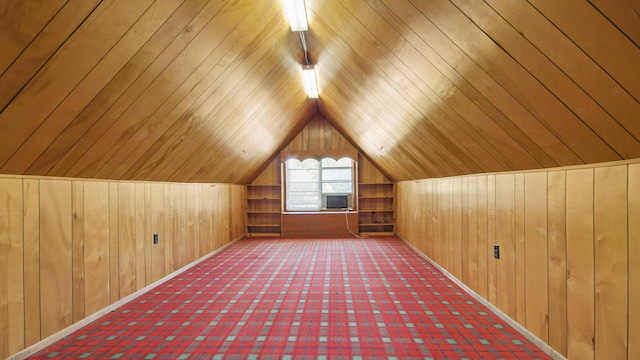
210	91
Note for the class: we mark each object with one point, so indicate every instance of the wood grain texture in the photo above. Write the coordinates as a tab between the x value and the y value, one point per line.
520	210
536	249
11	263
157	227
317	224
567	238
557	260
56	288
126	238
580	264
473	232
114	243
505	238
96	247
610	227
142	234
31	221
21	22
37	51
483	244
78	250
159	90
634	258
492	265
62	260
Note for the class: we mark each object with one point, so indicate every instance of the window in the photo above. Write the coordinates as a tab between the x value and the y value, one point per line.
310	182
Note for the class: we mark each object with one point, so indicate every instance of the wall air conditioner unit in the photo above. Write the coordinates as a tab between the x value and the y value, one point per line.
337	201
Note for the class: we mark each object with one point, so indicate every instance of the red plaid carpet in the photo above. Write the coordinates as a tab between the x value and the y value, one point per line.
302	299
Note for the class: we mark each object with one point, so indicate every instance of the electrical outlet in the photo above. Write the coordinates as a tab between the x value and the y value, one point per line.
496	251
155	238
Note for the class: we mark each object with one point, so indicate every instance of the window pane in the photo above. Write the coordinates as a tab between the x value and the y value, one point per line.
336	174
303	176
337	188
344	162
303	187
303	202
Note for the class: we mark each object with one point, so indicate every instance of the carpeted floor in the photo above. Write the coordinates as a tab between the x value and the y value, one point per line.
302	299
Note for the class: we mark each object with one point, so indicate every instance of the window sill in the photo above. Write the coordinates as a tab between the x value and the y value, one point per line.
316	212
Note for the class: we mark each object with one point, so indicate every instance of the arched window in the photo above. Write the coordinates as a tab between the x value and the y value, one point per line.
313	185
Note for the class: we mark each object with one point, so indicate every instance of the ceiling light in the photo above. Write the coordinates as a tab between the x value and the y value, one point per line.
297	14
310	81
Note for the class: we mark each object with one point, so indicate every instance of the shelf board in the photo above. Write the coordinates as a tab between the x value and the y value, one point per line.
263	198
264	185
375	197
376	224
258	234
374	233
374	210
264	212
263	225
374	184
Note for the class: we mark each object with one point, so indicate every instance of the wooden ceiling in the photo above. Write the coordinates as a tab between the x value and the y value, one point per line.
210	91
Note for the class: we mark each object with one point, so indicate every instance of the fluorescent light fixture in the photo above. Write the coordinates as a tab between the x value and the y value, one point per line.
297	14
310	81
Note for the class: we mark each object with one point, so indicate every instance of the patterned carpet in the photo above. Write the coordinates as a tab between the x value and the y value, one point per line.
302	299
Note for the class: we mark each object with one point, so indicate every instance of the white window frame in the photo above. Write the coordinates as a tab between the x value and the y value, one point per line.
320	191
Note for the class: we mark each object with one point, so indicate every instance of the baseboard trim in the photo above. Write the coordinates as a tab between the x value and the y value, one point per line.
504	317
91	318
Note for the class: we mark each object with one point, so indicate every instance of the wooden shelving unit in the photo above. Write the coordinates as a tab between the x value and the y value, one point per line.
264	210
376	208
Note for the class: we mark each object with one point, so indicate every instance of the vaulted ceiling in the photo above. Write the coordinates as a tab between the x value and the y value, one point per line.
210	91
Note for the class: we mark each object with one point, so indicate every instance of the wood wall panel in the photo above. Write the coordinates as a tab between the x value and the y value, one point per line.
505	237
464	228
114	242
96	251
126	238
456	227
56	289
536	248
611	261
568	241
483	245
78	250
157	228
62	246
31	238
520	271
11	265
473	232
580	265
142	234
492	265
557	260
634	258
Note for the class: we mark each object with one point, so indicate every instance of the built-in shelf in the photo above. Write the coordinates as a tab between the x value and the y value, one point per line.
376	208
264	210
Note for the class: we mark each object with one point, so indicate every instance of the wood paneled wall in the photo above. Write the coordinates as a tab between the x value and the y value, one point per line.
320	135
569	240
69	248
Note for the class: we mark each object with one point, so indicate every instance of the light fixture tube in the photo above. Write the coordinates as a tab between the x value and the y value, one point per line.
297	15
309	80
